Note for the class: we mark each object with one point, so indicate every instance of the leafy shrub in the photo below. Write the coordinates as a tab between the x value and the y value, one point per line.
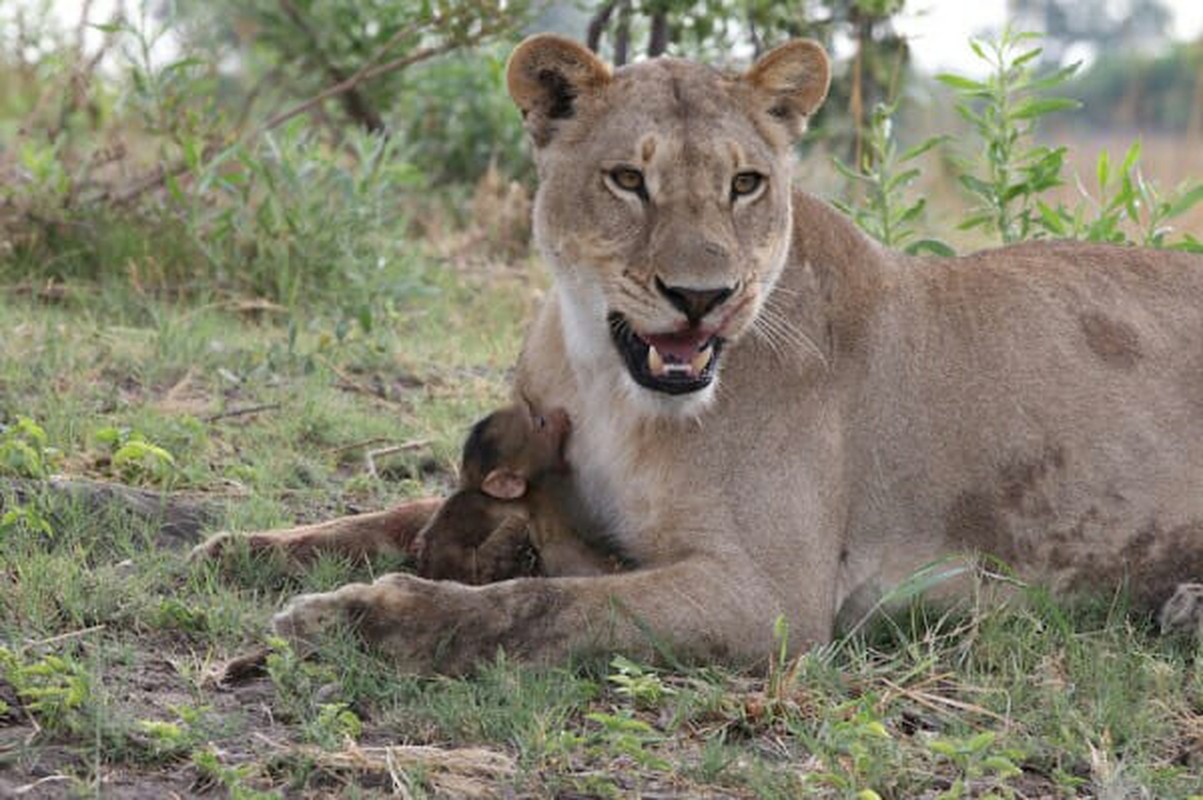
1011	176
23	450
136	459
457	119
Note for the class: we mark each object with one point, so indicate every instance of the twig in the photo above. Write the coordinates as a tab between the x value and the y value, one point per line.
62	637
21	791
333	451
935	702
369	72
372	455
356	105
242	412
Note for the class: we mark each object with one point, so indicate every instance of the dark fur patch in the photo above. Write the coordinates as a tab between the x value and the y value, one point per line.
975	522
480	449
1116	343
1152	563
560	94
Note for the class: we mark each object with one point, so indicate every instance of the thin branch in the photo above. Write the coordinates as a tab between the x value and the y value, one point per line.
242	412
354	102
371	70
371	456
598	24
62	637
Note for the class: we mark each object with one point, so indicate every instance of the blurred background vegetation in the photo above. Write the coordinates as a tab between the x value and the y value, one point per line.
284	149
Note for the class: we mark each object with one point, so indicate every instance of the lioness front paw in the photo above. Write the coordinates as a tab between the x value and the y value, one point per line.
1184	610
422	625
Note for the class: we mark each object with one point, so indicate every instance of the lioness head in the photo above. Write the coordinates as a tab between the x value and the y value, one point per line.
664	203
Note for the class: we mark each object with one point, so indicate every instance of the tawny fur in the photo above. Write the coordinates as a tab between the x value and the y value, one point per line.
874	412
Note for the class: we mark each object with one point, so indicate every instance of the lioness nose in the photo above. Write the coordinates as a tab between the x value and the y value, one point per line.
694	303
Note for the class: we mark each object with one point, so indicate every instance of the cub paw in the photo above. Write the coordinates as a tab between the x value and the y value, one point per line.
1184	610
309	614
213	548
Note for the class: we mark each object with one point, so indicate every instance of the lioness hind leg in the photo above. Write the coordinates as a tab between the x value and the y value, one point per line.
362	535
1184	610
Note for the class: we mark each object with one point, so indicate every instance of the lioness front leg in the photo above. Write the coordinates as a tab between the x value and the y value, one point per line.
698	608
387	532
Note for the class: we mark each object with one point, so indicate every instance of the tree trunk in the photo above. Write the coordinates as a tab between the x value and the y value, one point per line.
622	37
658	41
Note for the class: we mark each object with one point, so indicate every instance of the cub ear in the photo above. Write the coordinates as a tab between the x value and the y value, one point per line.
545	76
795	76
504	484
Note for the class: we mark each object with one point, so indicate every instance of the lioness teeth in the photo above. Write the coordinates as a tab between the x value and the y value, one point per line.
655	363
702	359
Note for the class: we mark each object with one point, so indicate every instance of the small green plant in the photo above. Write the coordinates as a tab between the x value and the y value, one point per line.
623	734
334	724
136	459
26	521
233	778
857	752
979	762
1003	111
884	176
53	689
299	685
637	682
166	740
24	451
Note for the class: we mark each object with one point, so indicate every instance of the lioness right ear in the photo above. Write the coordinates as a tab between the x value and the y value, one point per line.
545	76
795	76
504	484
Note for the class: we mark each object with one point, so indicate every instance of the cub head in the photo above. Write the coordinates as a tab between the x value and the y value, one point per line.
663	204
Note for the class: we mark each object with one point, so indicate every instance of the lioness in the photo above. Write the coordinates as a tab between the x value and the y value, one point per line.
776	416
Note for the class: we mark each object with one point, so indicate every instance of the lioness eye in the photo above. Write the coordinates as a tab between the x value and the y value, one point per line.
745	183
627	179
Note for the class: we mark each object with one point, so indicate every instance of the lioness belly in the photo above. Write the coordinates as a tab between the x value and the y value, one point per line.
1049	415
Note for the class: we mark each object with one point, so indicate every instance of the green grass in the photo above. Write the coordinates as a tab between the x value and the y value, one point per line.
107	632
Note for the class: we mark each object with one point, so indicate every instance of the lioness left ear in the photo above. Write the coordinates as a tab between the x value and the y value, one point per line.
504	484
546	75
795	76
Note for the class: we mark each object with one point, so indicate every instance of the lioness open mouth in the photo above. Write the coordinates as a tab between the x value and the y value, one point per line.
673	363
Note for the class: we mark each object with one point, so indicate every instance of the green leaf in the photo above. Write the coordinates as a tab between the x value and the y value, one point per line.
901	179
933	246
922	148
1055	78
960	83
1028	56
1103	169
912	213
976	221
977	186
1052	220
1039	106
846	170
1185	202
1131	157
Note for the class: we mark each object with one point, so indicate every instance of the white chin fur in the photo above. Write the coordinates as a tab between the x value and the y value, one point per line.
650	403
595	361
